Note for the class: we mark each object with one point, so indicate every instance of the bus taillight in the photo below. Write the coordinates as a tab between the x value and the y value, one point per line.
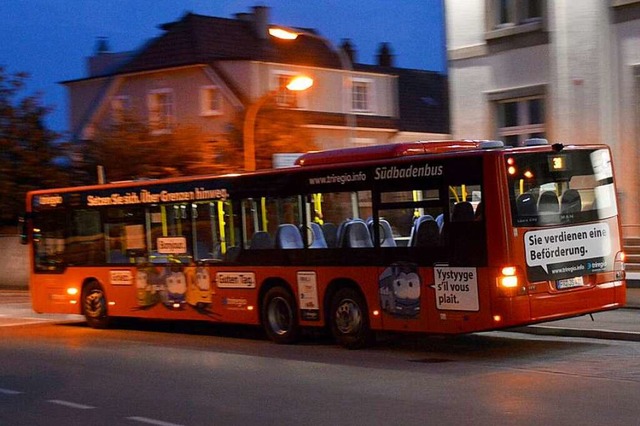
510	282
508	279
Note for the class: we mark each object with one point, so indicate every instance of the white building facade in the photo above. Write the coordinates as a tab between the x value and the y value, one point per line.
565	70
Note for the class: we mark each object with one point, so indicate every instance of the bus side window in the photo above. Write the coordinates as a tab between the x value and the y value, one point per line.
49	241
125	238
206	231
332	211
464	233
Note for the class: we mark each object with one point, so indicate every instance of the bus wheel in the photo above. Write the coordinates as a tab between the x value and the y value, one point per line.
349	320
279	316
94	305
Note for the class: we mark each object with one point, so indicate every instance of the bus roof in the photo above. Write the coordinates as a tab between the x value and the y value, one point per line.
402	149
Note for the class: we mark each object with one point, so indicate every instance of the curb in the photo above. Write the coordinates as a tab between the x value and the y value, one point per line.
602	334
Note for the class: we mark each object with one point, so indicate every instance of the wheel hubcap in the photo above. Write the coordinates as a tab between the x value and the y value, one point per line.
94	304
348	317
280	316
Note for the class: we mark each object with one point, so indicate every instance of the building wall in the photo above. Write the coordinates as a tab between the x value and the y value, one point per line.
586	68
473	79
14	262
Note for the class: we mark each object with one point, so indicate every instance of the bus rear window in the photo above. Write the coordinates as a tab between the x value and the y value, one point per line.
564	187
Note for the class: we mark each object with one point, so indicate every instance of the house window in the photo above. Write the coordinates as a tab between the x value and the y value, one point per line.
520	119
285	97
161	113
508	13
120	108
210	100
361	95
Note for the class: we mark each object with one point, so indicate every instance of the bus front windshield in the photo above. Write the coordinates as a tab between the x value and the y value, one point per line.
566	187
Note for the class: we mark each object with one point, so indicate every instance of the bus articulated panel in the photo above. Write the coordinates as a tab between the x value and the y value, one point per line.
431	237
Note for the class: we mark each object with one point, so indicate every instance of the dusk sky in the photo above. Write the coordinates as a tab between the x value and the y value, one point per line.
50	39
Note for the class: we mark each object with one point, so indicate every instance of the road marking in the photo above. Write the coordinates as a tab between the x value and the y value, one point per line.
71	404
151	421
9	392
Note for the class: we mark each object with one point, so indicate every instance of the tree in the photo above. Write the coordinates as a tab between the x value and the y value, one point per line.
27	147
129	150
277	130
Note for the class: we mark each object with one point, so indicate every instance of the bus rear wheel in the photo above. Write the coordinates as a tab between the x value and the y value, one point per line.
94	305
349	319
279	317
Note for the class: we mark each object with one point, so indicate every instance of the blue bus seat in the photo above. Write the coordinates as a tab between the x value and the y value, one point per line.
356	235
288	237
318	240
330	232
261	240
416	225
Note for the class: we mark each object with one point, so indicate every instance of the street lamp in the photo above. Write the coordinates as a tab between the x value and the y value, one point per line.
284	33
297	83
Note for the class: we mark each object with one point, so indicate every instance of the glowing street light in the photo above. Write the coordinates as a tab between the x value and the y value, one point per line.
284	33
297	83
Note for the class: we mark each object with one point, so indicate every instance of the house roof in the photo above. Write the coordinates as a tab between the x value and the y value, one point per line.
198	39
205	40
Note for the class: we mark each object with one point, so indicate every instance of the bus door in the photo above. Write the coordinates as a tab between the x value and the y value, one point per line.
408	239
432	278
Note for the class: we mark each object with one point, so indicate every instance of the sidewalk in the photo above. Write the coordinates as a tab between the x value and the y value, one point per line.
620	324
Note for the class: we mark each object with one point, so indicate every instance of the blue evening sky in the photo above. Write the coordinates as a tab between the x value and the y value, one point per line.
50	39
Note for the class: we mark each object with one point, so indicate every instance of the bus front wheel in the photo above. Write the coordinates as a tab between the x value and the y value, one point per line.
349	319
279	316
94	305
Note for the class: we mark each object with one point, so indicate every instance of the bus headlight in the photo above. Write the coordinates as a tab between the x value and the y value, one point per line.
72	291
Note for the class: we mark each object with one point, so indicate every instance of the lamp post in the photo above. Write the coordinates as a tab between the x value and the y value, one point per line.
297	83
284	33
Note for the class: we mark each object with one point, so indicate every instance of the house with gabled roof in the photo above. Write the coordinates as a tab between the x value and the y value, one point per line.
203	71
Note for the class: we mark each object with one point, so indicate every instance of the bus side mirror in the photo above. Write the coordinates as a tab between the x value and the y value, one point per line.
23	229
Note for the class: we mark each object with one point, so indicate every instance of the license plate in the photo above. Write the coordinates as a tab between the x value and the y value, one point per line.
569	283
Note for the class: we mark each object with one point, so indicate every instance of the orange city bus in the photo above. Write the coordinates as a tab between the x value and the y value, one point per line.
437	237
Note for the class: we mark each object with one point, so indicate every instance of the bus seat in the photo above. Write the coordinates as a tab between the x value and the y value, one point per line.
386	233
416	225
232	253
340	233
318	236
330	232
570	201
462	212
548	208
548	203
116	256
479	214
387	239
288	237
526	205
356	235
440	221
261	240
202	251
427	234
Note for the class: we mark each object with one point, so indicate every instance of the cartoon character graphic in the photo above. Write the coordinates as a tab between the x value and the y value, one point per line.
400	290
199	291
175	289
145	291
